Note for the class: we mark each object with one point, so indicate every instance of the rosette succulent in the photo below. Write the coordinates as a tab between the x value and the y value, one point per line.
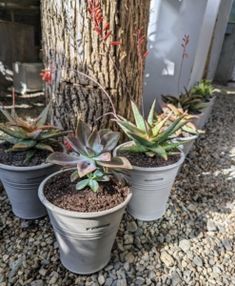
152	136
91	155
204	88
29	135
193	103
172	113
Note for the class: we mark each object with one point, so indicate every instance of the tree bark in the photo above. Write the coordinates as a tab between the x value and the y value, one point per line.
70	44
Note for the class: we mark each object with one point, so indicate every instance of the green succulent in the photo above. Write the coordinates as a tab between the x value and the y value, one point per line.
152	136
91	155
192	103
204	88
172	113
29	135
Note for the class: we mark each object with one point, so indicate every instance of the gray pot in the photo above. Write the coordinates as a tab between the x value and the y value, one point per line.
85	239
21	185
186	147
203	117
151	189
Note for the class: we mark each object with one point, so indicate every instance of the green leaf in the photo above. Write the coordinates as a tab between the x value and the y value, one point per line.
24	145
93	185
168	132
98	174
77	145
62	159
127	126
151	113
110	140
29	155
42	146
135	149
17	133
139	119
74	176
160	151
8	116
116	162
42	118
82	184
83	131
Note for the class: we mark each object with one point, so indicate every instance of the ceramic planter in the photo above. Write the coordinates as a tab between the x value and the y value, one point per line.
85	239
151	189
21	185
186	147
204	116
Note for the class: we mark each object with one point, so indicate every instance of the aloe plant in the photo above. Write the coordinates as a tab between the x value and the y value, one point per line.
172	113
193	103
152	136
204	88
29	135
91	155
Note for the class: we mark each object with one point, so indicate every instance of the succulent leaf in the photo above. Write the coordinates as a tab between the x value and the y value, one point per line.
139	119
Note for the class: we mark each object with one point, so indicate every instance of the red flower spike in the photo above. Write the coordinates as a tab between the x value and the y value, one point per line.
46	75
115	43
107	35
106	26
146	54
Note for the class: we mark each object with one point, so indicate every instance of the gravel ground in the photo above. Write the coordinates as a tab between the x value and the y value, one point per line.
193	244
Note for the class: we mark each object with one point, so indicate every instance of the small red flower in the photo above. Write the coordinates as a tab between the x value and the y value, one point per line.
46	75
115	43
67	145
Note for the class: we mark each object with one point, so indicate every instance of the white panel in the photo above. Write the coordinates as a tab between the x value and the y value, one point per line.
204	43
169	21
217	43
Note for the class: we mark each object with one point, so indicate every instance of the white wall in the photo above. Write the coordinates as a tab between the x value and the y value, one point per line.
169	21
204	43
218	37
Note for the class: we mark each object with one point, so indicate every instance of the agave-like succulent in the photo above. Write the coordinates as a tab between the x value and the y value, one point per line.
91	155
152	136
29	135
172	113
204	88
193	103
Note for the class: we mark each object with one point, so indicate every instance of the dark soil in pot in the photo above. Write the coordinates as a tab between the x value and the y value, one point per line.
17	158
142	160
62	193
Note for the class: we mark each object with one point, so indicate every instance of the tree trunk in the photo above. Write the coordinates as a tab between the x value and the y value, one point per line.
71	44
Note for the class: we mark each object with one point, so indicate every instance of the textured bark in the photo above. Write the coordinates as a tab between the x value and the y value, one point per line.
70	43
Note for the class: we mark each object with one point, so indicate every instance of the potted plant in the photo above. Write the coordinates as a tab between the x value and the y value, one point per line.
204	89
86	201
192	103
188	133
155	158
24	147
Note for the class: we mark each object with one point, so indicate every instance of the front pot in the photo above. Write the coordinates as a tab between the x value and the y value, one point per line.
85	239
151	189
21	185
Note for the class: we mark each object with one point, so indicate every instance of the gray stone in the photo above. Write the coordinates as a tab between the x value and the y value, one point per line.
101	279
167	259
132	226
211	226
121	282
128	239
108	281
130	258
37	283
139	281
184	244
197	261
